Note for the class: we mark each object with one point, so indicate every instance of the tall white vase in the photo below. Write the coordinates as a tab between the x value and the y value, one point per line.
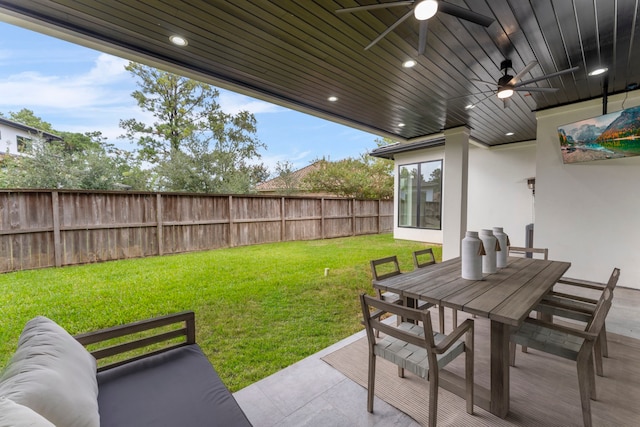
503	241
490	243
471	256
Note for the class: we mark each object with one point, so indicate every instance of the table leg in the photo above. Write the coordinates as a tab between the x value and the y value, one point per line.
499	368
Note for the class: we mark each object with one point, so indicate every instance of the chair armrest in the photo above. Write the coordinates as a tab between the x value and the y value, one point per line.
582	283
454	336
590	336
560	304
573	297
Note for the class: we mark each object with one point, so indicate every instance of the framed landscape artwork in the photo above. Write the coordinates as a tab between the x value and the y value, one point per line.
610	136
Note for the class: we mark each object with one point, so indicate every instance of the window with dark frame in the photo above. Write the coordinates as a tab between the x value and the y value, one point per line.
24	144
420	195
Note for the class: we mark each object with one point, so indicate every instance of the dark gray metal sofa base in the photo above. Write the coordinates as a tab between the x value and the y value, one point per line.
178	388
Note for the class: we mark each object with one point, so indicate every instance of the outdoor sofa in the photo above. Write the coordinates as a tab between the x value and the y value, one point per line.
52	379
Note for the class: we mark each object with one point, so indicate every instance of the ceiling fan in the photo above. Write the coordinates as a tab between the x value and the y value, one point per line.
422	10
508	84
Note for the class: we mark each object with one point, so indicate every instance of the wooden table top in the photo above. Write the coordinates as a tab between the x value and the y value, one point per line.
506	296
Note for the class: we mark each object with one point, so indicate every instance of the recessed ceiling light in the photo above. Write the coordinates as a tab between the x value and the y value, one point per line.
401	125
598	71
509	133
332	98
409	63
469	107
178	40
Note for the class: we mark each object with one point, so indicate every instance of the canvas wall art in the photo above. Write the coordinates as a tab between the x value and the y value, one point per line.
609	136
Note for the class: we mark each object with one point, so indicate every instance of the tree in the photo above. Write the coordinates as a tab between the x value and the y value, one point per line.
365	177
352	177
79	161
286	179
193	145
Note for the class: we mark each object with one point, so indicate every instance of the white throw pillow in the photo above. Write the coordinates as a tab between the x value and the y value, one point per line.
54	375
13	414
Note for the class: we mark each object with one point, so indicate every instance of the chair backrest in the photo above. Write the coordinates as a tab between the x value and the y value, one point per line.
385	267
373	322
423	258
528	252
613	279
600	312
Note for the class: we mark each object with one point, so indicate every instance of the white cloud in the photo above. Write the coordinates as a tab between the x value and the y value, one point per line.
80	91
298	160
233	103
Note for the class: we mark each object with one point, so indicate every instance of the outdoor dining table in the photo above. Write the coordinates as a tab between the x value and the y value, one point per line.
505	297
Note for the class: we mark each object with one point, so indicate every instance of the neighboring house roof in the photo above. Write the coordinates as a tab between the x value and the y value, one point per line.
278	184
48	136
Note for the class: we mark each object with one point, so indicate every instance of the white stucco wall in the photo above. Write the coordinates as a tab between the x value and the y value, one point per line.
587	213
498	192
9	138
498	195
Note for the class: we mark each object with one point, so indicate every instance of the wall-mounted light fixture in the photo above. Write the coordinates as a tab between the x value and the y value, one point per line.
531	183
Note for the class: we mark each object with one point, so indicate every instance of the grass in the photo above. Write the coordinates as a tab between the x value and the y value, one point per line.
258	308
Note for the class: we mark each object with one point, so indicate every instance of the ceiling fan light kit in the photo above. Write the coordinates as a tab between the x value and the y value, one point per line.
422	11
425	9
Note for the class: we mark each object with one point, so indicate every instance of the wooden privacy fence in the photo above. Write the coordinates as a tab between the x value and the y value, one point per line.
45	228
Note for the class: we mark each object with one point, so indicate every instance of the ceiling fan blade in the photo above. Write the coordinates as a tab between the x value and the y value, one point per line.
374	6
466	14
422	40
388	30
548	76
535	89
483	82
522	72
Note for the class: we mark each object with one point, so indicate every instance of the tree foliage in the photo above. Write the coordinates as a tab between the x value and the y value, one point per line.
365	177
79	161
193	145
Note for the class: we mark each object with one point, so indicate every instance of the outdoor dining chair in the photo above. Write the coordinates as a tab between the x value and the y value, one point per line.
415	347
384	268
528	252
580	308
570	343
424	258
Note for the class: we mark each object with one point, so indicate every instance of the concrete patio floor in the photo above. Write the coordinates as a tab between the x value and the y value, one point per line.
312	393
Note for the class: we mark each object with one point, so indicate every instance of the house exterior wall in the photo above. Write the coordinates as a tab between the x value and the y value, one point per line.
9	138
418	234
586	213
498	195
498	192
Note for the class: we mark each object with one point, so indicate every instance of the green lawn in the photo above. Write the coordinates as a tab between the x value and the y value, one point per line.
258	308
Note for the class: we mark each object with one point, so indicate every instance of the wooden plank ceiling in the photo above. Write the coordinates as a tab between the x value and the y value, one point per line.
298	53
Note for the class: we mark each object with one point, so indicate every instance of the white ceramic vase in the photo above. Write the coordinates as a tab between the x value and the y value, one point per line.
503	241
490	243
471	256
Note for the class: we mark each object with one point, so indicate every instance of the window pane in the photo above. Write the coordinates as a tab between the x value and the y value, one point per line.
408	196
430	194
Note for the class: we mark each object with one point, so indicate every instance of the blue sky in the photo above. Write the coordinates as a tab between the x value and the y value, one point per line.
79	90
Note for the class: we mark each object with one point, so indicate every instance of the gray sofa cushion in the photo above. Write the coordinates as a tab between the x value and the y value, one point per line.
178	388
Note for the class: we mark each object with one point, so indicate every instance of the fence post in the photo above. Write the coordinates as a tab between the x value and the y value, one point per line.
160	225
230	221
353	217
322	218
379	214
283	224
57	247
